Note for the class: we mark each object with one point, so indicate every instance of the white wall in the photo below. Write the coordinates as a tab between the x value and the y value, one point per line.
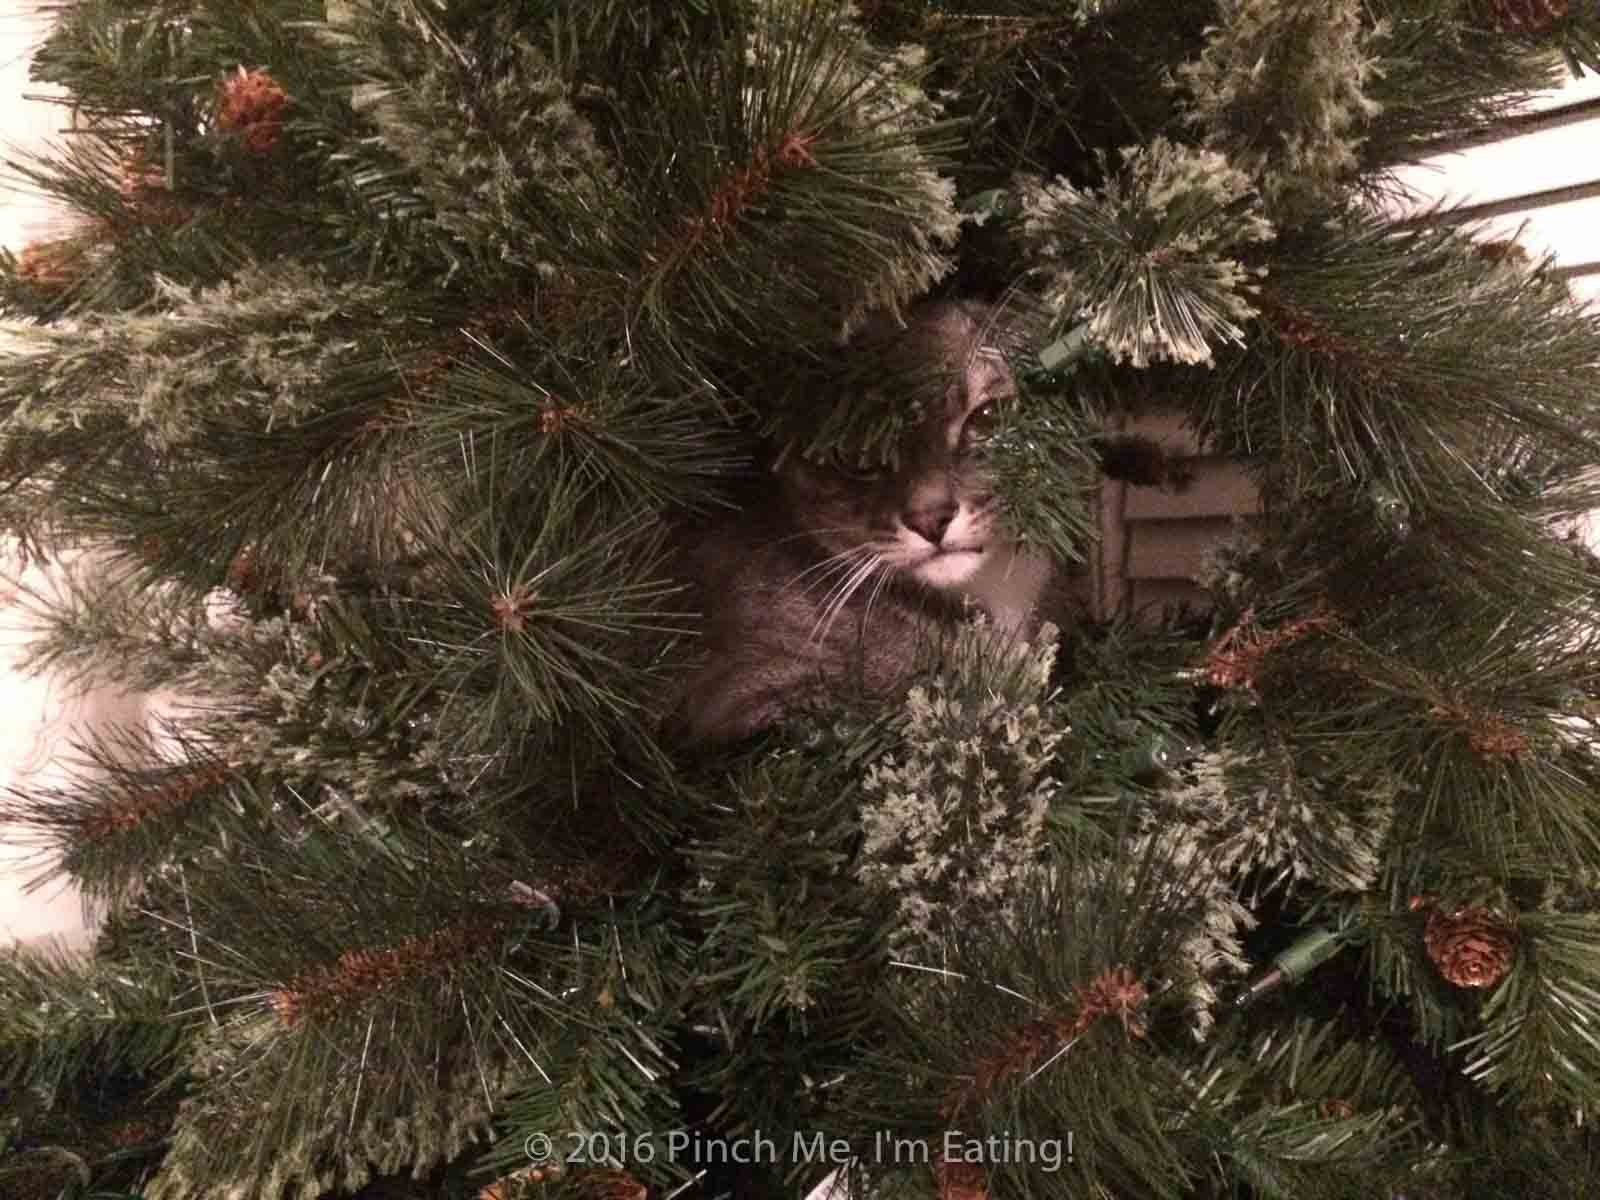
1516	166
36	715
23	123
41	716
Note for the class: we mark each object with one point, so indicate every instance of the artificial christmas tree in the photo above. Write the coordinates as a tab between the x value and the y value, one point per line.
385	400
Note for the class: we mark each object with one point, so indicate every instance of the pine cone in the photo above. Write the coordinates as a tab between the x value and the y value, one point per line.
961	1181
244	571
1493	737
611	1184
1505	250
144	190
519	1183
1471	947
136	174
251	104
52	265
1525	16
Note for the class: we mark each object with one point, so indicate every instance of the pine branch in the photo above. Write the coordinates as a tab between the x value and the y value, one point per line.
331	999
129	808
581	424
1282	89
1020	1030
1448	71
63	1022
1536	1035
524	626
821	156
1150	262
519	185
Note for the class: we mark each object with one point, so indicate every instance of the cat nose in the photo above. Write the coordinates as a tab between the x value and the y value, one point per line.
932	521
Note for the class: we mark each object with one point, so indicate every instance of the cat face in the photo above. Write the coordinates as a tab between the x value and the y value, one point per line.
931	519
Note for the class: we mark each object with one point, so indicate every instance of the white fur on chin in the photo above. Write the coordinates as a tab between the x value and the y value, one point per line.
1008	585
950	569
1005	582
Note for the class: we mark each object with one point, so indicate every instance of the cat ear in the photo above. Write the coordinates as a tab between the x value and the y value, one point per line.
1141	461
876	325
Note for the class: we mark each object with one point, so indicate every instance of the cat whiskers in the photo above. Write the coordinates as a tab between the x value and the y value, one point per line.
834	604
877	590
834	564
811	533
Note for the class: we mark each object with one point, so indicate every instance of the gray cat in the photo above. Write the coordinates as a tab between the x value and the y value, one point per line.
835	575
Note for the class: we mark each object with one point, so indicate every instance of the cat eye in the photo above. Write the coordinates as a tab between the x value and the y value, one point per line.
981	424
856	471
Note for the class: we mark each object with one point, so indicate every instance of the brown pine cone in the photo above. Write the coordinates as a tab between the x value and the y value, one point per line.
52	264
1471	947
1525	16
1505	250
961	1181
609	1184
251	105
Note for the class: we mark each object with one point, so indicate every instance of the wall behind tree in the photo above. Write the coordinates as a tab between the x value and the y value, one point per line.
40	715
1540	185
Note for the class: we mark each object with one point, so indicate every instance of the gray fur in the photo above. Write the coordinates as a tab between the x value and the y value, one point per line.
832	580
